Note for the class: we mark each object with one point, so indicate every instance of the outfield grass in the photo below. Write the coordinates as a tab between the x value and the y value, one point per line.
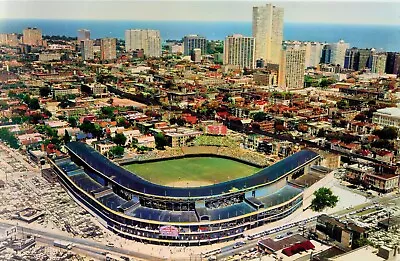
191	172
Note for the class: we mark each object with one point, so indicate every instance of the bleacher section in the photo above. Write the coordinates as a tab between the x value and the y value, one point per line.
163	215
282	195
230	211
112	201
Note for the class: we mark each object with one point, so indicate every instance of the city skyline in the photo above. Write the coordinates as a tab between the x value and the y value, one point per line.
295	11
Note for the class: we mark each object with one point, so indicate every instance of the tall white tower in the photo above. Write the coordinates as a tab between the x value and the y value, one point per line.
268	32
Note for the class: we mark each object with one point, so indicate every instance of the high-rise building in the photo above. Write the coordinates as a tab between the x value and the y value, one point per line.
9	39
194	41
196	55
393	63
148	40
291	73
83	34
32	36
315	54
326	55
378	63
108	49
239	50
87	50
351	59
313	51
268	32
338	52
365	60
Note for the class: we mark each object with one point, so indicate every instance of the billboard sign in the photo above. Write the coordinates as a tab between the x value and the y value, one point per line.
169	231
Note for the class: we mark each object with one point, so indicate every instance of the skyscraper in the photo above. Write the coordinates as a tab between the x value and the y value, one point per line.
338	52
315	54
326	55
378	63
351	59
148	40
268	32
9	39
194	41
291	73
239	50
83	34
32	36
313	51
393	63
108	49
365	60
87	50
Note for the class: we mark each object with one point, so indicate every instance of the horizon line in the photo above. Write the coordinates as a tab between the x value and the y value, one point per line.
198	21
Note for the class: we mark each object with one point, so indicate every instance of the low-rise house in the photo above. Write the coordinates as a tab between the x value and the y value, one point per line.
341	234
104	147
382	182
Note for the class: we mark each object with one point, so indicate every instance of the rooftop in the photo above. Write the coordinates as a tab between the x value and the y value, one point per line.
390	111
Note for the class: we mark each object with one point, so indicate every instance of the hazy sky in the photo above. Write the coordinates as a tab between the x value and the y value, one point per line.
356	12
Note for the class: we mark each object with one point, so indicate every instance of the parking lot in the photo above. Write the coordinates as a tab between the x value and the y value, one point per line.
24	187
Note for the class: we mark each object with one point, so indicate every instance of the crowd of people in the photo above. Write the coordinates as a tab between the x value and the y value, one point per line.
232	152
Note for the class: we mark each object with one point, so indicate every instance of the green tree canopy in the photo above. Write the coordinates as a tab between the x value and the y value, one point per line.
387	133
45	91
33	104
73	121
7	136
160	140
67	137
119	139
323	197
90	127
117	151
259	116
342	104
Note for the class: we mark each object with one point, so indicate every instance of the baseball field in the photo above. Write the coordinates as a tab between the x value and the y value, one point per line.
192	172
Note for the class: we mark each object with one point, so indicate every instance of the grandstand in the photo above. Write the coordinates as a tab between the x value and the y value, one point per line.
137	209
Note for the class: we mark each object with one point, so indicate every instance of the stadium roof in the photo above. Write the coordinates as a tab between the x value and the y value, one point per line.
132	181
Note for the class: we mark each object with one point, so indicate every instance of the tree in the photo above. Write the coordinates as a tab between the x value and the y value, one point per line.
107	112
117	151
180	122
160	140
361	242
387	133
321	133
342	104
73	122
119	139
33	104
7	136
323	198
45	91
226	97
67	137
259	116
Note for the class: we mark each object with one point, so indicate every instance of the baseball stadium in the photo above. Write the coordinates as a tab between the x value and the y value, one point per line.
134	207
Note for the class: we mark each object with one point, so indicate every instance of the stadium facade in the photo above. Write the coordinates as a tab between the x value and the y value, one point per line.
138	209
